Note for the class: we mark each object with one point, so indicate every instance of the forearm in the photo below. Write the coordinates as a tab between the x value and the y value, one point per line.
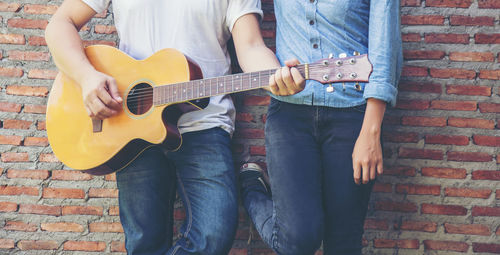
68	54
257	58
374	114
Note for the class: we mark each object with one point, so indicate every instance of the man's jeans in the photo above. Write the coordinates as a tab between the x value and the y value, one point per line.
314	197
203	172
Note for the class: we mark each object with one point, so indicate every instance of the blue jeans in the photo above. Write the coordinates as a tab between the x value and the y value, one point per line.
314	197
203	172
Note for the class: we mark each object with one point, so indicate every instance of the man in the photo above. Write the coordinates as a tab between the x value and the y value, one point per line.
202	167
323	144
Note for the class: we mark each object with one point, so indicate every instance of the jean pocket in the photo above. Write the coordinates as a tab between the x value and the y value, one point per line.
274	107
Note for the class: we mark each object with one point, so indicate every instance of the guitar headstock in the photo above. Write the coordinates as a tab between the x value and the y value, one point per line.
343	69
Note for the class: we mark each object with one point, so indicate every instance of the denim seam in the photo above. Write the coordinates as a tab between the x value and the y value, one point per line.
190	216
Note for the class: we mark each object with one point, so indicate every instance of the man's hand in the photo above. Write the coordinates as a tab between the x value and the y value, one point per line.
287	80
100	96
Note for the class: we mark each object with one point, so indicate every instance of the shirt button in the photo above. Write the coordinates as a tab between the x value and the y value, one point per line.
315	45
311	22
312	1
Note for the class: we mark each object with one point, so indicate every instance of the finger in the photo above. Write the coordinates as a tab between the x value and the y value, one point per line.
373	172
357	173
366	173
288	80
89	112
281	85
113	90
100	110
380	167
272	85
104	95
292	62
299	81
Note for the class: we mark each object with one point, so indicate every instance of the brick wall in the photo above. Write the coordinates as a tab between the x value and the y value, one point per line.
440	193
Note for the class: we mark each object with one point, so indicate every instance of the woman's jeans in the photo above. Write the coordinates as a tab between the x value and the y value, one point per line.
203	172
314	197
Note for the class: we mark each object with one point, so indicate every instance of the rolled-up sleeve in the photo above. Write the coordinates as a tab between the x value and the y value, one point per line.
384	50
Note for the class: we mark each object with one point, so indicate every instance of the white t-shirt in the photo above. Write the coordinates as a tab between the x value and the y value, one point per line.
197	28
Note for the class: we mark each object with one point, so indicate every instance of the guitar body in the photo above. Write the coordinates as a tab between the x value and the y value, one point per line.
117	141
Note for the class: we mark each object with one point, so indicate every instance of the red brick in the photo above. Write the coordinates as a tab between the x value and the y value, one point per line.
15	157
376	224
443	209
12	39
36	109
412	104
466	192
409	189
423	54
420	87
448	173
399	137
28	174
7	243
446	139
48	157
468	156
486	247
118	247
9	7
258	150
10	107
256	100
472	56
8	207
114	211
42	74
414	71
249	133
486	175
399	171
389	243
244	117
489	4
447	38
471	123
40	9
40	125
452	73
84	246
106	227
27	23
16	124
410	2
94	42
420	153
382	187
63	193
456	20
62	227
20	226
20	90
411	37
486	211
467	229
424	121
37	245
395	206
36	141
468	90
11	139
446	245
487	38
483	140
421	226
68	175
449	3
37	41
40	209
11	72
489	74
422	20
489	107
82	210
28	55
103	193
18	191
102	29
454	105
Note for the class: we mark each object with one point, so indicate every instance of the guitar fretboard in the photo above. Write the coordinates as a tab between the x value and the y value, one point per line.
196	89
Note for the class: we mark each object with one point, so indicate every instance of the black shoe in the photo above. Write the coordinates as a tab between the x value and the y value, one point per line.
253	176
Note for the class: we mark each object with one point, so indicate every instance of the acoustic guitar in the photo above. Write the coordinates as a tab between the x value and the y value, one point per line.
156	91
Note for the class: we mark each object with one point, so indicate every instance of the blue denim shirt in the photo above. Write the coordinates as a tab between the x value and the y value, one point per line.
310	30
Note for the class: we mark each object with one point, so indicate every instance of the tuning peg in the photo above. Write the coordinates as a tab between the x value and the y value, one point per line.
355	53
342	55
330	55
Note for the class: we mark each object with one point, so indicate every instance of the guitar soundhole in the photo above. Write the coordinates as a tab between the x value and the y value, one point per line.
140	99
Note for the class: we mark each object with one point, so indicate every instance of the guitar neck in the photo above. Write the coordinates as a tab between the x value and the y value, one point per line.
196	89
